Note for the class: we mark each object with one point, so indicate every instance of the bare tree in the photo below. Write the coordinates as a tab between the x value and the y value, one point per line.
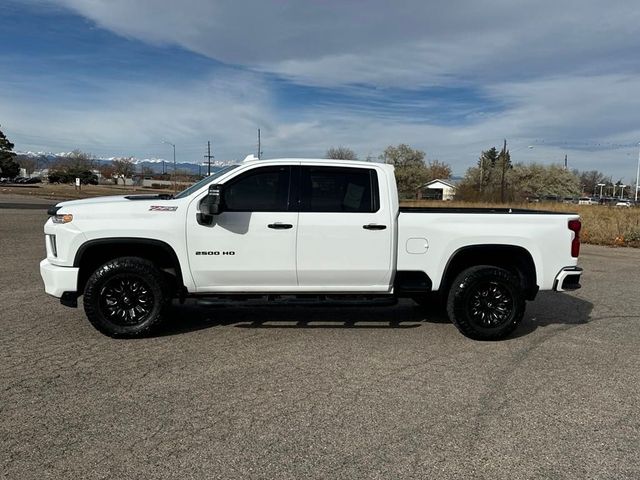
28	163
123	168
79	160
341	153
438	169
590	179
108	171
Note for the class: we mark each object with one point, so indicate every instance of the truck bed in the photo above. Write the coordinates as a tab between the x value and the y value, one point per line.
520	211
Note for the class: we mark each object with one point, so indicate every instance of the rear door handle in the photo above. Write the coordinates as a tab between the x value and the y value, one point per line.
374	226
280	226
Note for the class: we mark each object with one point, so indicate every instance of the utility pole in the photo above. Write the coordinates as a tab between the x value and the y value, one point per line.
175	166
208	156
259	146
638	174
565	161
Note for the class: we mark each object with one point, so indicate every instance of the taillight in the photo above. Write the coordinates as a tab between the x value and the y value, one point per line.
575	226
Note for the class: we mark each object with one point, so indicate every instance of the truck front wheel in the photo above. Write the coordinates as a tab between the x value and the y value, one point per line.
486	302
126	297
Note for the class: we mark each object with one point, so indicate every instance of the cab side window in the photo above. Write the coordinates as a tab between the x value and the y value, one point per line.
260	190
337	189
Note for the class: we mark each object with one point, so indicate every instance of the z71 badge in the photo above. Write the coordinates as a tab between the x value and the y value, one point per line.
162	208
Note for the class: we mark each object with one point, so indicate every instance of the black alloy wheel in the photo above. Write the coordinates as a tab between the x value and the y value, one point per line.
126	299
490	305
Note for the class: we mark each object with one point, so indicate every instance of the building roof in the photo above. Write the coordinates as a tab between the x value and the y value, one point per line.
438	180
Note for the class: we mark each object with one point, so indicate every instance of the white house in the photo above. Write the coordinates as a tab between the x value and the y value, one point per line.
438	190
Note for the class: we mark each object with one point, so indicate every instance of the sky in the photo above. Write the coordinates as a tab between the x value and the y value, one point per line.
119	77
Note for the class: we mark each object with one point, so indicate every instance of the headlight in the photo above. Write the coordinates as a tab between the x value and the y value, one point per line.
62	218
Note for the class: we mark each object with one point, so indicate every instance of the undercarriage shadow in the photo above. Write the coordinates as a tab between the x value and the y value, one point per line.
548	309
191	317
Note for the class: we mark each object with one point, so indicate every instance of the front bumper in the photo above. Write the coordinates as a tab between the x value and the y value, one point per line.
568	279
58	280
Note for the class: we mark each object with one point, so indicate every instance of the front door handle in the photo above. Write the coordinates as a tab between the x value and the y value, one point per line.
280	226
374	226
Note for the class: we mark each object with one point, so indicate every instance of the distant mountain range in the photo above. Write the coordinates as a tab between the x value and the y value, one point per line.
48	159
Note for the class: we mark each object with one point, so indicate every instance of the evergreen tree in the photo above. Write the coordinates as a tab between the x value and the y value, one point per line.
486	164
8	166
504	164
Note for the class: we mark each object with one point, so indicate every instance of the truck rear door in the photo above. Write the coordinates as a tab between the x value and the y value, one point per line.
344	230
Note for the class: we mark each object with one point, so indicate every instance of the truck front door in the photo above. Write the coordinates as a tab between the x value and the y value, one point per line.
251	245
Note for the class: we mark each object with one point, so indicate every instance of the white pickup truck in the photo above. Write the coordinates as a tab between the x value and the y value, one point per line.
298	228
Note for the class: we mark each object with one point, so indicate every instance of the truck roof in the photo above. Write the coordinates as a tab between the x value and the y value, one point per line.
360	163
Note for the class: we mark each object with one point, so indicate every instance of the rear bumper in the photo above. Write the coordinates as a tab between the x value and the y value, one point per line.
58	280
568	279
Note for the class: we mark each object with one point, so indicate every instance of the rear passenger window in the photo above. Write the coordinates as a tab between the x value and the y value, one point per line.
336	189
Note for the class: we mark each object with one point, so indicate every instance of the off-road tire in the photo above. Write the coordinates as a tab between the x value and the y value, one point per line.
126	284
486	302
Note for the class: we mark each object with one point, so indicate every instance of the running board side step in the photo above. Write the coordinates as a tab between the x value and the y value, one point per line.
298	300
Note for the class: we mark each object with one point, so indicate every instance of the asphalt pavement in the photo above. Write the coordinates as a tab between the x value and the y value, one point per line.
315	392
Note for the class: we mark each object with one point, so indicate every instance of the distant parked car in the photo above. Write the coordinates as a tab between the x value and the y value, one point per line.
623	203
587	201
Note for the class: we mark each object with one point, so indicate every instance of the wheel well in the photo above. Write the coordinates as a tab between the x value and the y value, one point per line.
512	258
94	253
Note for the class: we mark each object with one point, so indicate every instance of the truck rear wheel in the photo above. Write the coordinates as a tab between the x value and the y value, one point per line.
126	297
486	302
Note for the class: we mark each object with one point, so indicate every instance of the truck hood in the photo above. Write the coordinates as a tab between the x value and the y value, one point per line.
90	201
110	199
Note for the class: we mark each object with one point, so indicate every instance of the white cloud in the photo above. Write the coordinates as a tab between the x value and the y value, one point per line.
136	120
228	108
407	44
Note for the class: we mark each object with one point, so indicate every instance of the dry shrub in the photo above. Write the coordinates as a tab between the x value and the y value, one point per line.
601	225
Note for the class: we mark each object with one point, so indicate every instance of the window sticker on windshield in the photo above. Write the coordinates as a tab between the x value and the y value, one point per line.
162	208
353	197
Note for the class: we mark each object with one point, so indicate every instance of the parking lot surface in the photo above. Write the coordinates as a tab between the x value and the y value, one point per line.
318	392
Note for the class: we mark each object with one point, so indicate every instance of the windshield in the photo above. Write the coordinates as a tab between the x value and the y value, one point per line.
206	180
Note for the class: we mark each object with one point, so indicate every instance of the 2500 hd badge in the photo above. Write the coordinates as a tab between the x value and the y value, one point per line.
216	253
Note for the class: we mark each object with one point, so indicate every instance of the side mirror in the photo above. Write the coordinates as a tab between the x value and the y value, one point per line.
211	205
